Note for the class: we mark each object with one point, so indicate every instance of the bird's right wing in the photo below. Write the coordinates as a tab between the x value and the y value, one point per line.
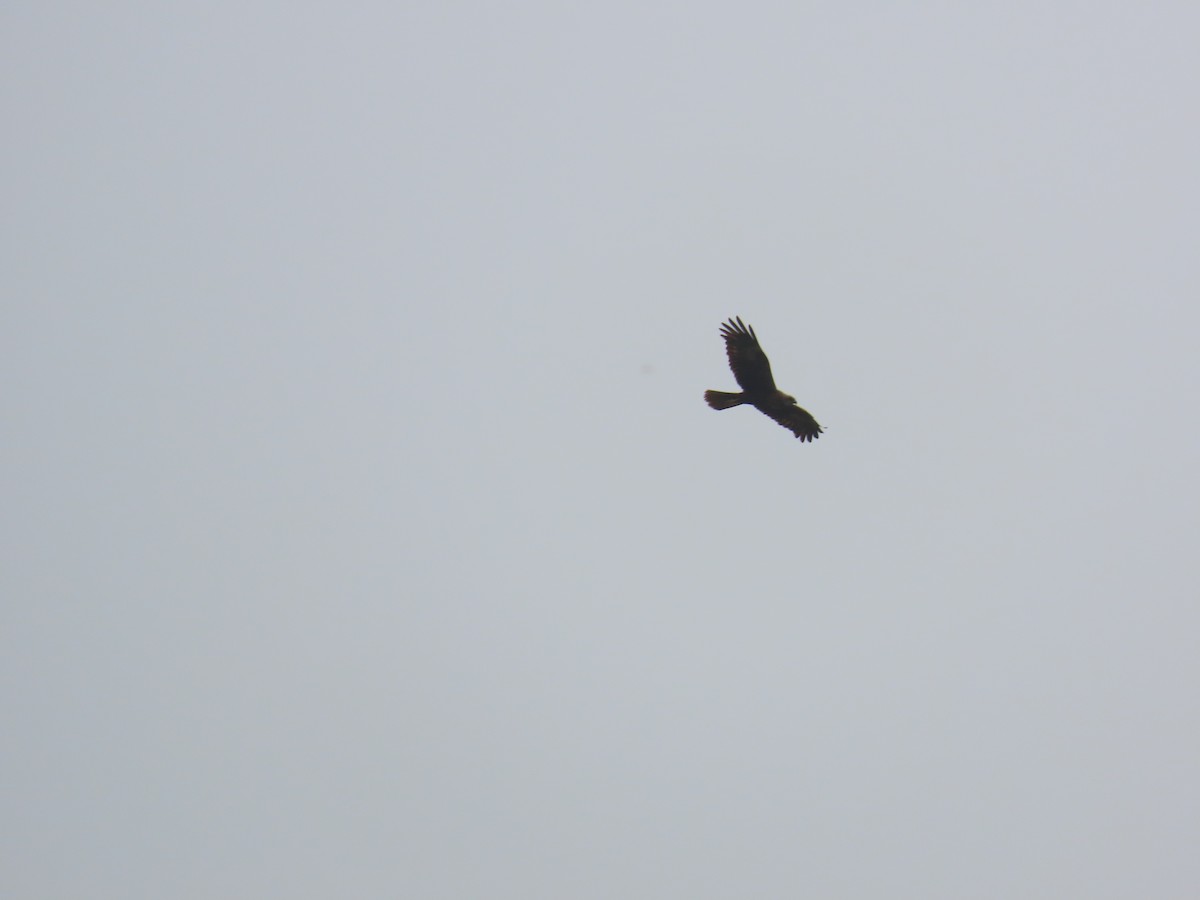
750	365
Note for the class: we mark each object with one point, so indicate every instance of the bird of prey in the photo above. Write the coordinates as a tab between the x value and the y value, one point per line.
752	370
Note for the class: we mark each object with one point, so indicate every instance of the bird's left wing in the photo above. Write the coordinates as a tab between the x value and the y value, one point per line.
796	420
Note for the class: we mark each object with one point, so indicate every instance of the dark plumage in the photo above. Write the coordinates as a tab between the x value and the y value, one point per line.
752	370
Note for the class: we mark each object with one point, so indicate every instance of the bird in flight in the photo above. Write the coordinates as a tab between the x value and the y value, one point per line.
752	370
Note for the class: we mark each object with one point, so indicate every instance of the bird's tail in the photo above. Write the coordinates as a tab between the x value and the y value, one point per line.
723	400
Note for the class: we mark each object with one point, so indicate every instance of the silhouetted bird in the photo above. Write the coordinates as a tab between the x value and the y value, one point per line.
752	370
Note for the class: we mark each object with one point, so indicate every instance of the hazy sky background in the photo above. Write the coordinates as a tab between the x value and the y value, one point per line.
366	534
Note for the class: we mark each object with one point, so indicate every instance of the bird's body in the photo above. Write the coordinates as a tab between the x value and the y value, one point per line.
752	370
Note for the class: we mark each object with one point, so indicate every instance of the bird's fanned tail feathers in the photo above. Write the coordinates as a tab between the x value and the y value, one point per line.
723	400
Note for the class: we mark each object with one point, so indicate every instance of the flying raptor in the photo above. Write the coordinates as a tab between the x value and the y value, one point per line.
752	370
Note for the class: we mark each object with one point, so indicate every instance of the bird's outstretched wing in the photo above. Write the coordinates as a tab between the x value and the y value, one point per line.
796	420
750	365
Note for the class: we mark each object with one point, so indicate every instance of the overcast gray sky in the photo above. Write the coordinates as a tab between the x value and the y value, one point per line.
366	534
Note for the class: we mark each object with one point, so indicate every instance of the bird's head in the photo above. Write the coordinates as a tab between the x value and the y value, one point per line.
787	398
